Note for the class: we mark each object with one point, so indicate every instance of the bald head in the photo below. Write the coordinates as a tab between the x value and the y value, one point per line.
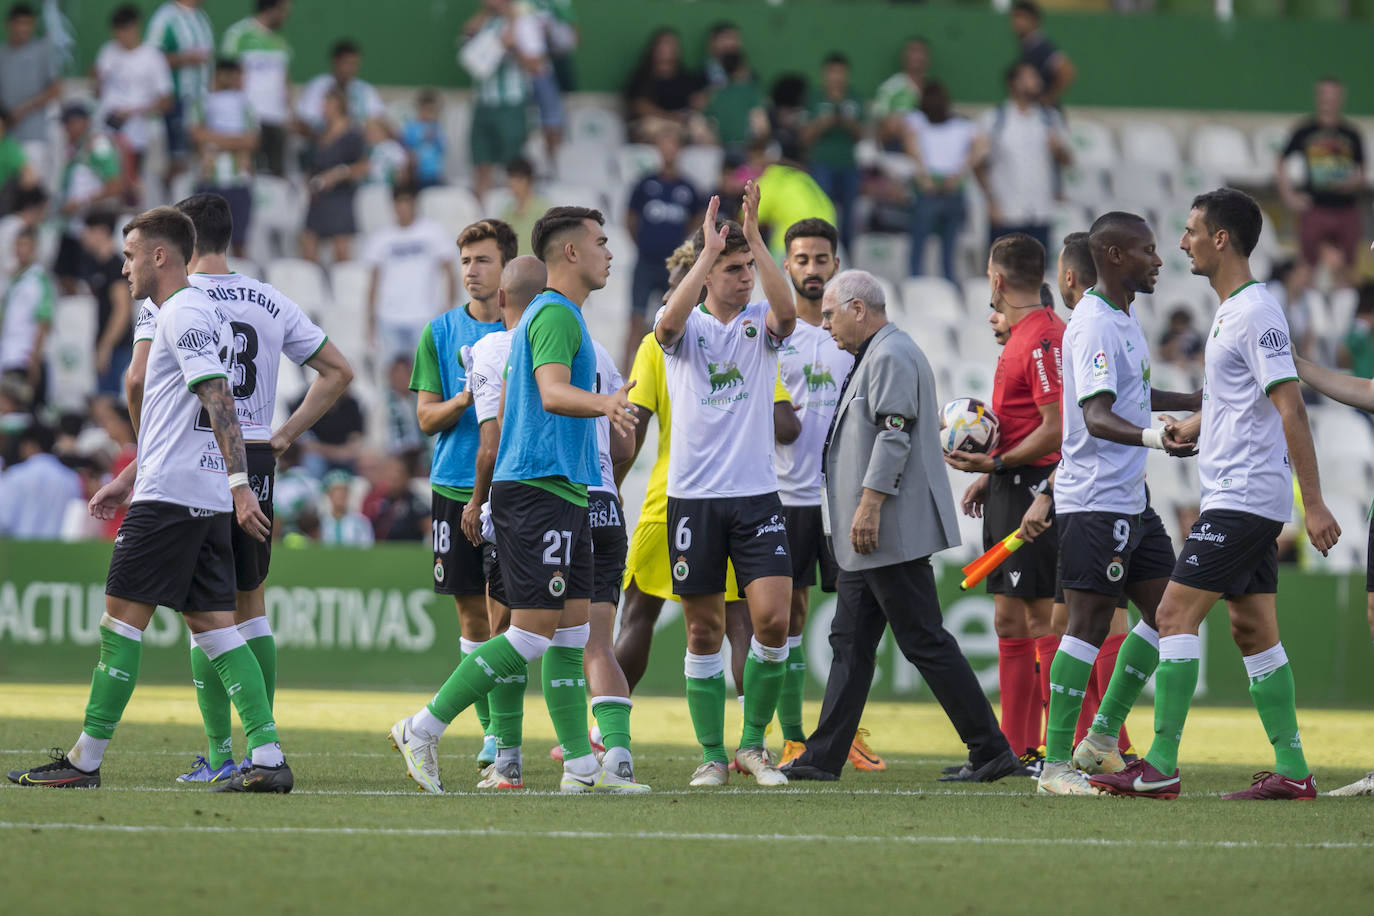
1115	229
522	279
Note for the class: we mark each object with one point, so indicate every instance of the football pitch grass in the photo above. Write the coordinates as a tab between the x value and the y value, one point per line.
355	836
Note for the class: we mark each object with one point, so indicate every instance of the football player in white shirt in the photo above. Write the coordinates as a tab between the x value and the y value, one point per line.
1358	393
813	368
173	548
1252	425
722	362
1109	544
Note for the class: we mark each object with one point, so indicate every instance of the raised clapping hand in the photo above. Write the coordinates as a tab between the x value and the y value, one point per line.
715	238
618	409
750	215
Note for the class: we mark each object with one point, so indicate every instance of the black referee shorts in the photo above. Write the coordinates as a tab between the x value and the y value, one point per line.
1031	572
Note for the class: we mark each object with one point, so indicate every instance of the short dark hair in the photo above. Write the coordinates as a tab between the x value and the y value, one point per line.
102	218
214	222
498	230
167	224
1078	257
835	57
404	189
6	118
735	240
342	47
30	197
555	222
39	435
1030	9
1235	212
427	97
18	10
724	25
520	166
1113	228
124	14
1021	259
1014	68
1046	296
811	228
263	6
228	65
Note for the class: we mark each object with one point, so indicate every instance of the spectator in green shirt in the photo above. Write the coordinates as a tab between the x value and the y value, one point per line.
737	111
900	94
15	171
834	125
1357	349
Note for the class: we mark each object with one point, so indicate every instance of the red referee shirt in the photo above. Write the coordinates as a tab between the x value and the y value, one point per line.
1029	374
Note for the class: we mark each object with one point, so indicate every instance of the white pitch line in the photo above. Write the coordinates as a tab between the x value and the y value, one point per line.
527	793
493	832
163	752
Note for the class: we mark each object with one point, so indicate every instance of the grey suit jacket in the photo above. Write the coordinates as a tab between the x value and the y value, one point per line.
886	438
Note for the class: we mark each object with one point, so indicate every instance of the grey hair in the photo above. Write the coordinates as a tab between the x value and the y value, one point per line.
848	285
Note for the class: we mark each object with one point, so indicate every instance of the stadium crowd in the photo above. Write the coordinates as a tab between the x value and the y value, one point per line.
374	188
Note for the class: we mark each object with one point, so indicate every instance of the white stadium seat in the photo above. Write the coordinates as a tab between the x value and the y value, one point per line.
1093	144
451	207
1269	142
372	208
932	299
1224	150
303	281
700	165
71	370
457	124
346	321
595	124
278	214
1086	185
635	160
883	254
587	163
567	194
1151	144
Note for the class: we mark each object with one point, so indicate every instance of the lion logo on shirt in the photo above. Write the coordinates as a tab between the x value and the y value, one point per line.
723	375
818	376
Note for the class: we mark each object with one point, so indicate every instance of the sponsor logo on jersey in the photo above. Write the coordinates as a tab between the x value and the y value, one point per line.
680	569
557	585
780	551
194	341
200	513
1216	328
1015	576
723	375
1192	560
774	525
1115	570
1100	365
1274	340
1204	533
478	380
818	376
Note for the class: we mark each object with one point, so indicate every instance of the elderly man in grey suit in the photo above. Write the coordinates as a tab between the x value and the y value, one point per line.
889	508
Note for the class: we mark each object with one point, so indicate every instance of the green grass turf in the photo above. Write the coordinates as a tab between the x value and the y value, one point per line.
356	837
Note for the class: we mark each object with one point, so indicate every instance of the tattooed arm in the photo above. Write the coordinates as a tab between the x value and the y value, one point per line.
218	401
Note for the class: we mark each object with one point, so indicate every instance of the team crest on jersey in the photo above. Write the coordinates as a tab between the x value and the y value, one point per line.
194	341
723	375
680	569
818	376
750	331
1115	570
1274	339
557	585
1216	328
438	570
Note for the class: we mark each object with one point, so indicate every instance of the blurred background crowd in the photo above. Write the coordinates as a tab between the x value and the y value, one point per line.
348	197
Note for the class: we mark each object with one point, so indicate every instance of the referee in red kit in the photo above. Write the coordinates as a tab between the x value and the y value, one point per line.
1025	399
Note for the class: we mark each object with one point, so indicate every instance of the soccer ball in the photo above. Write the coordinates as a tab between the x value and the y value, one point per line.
968	425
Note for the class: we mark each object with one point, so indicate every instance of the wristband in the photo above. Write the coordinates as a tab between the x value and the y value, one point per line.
1152	438
238	480
997	466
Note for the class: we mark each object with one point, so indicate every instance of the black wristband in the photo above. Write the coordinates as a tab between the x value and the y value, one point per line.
997	466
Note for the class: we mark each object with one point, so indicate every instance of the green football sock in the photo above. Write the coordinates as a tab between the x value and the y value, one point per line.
1275	698
1135	662
112	683
507	702
565	695
214	709
613	718
762	686
264	649
706	704
479	672
1175	682
790	701
482	705
242	679
1070	672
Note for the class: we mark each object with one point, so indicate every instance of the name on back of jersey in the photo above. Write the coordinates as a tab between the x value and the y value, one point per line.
242	294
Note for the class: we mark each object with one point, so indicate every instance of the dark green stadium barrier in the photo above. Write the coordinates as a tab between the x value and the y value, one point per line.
1150	61
367	618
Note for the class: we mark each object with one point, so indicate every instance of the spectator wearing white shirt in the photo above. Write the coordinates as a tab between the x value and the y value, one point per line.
182	31
225	133
26	315
256	42
940	142
35	490
341	526
133	83
407	260
1020	145
362	101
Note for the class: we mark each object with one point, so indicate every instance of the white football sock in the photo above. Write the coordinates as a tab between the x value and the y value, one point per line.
427	724
268	755
585	765
87	753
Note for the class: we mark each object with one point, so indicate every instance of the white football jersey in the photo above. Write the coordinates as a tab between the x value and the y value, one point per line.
721	379
1104	349
813	368
267	326
608	381
1242	452
178	458
487	374
145	324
